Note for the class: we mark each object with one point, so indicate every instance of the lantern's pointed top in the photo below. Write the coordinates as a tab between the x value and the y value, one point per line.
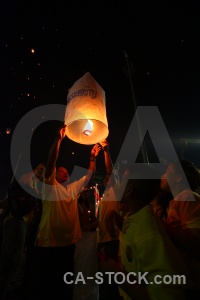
87	81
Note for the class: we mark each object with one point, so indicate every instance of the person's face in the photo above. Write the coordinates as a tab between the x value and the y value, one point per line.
169	178
62	175
40	171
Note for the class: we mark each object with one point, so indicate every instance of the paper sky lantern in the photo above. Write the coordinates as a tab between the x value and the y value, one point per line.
85	115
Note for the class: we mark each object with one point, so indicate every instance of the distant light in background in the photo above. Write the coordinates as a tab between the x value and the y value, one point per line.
8	130
190	141
189	149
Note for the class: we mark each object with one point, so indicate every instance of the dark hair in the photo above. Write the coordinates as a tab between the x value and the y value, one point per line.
162	200
146	181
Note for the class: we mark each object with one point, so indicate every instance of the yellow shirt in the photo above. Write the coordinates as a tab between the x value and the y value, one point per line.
146	247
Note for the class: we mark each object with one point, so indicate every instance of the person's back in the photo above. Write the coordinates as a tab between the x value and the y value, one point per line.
147	252
108	203
147	249
85	254
108	241
109	200
183	218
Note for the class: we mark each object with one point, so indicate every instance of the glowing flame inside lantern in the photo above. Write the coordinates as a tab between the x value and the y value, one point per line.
88	129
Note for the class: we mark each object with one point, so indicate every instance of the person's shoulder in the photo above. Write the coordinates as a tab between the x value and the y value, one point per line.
186	195
76	184
186	200
196	195
51	179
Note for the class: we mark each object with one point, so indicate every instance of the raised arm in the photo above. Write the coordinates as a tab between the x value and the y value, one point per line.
109	179
107	158
54	152
92	166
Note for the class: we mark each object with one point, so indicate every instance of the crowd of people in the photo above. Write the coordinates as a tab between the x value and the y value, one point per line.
54	244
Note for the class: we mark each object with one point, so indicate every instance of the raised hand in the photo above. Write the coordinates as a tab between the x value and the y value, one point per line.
104	144
95	151
61	133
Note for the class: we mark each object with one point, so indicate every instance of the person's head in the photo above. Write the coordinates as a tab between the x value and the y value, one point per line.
178	175
62	174
142	186
40	169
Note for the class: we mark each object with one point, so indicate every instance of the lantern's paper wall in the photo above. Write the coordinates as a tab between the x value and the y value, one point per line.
86	101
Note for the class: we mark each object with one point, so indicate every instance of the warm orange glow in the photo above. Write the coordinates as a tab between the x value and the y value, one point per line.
88	129
8	131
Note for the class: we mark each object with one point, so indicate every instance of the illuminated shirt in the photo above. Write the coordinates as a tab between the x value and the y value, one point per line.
146	247
59	225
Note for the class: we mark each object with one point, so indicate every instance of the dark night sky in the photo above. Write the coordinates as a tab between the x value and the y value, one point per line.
70	38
